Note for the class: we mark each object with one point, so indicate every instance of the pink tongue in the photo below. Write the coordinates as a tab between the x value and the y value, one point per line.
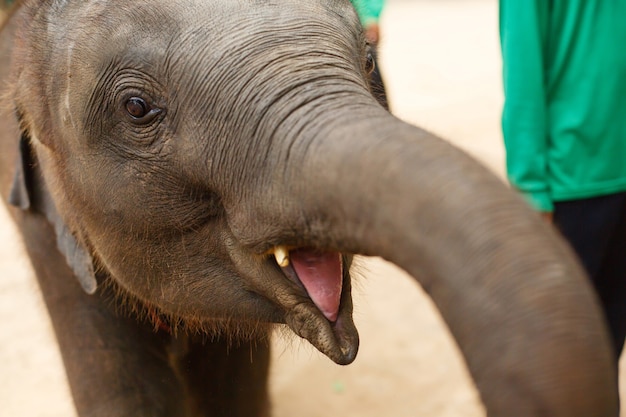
321	274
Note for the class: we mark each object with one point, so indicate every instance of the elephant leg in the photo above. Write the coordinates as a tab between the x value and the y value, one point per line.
116	367
225	378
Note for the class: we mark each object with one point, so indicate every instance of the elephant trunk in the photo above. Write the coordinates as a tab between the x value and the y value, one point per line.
514	298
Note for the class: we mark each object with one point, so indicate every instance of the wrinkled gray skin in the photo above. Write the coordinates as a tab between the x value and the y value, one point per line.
258	130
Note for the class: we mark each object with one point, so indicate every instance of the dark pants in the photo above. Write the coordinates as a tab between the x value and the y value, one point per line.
596	229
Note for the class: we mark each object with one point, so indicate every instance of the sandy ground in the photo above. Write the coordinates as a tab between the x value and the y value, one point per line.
442	65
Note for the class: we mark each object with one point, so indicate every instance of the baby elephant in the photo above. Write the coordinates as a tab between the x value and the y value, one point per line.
188	174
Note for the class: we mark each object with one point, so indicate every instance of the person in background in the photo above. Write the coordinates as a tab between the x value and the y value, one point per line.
564	128
369	12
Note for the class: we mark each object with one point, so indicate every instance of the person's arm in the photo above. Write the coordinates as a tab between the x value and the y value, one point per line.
369	12
523	36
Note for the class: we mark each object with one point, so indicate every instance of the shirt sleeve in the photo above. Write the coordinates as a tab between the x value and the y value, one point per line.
369	11
523	36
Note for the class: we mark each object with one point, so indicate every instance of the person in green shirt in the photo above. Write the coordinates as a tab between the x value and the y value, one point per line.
369	12
564	128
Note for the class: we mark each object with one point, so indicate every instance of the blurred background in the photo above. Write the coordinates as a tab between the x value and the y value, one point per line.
440	61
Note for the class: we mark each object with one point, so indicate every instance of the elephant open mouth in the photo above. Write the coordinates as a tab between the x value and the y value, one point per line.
321	275
319	272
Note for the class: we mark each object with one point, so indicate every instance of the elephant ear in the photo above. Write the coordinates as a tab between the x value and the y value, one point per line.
28	192
77	257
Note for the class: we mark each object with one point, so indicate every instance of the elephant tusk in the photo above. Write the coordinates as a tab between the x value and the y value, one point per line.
281	253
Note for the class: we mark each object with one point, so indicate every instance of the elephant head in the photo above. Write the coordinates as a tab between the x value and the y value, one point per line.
221	162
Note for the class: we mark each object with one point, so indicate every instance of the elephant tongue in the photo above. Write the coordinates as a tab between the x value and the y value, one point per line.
322	276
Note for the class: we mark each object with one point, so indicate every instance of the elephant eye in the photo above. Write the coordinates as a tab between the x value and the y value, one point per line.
137	107
139	110
370	63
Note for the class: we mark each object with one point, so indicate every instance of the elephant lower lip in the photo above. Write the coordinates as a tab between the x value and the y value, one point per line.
339	340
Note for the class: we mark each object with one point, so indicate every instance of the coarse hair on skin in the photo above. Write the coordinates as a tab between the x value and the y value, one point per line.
234	331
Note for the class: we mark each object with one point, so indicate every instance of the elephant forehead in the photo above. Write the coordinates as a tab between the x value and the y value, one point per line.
260	12
175	32
158	16
227	23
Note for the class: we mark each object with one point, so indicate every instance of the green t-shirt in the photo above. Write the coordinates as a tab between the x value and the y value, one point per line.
368	10
564	118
